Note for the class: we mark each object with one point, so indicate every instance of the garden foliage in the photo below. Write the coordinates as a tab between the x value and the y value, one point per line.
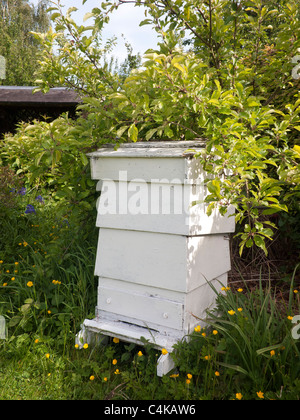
223	71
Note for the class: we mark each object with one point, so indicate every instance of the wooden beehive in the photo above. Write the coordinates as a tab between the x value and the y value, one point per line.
157	255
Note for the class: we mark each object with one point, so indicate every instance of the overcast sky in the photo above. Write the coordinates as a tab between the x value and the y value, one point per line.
123	21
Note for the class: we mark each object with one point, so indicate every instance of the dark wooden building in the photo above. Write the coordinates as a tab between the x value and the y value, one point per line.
18	103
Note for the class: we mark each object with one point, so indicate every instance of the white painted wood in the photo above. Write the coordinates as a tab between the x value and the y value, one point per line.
160	207
172	262
151	160
131	333
141	306
165	364
159	309
157	257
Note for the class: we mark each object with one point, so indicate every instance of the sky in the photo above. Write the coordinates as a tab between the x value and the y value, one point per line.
123	21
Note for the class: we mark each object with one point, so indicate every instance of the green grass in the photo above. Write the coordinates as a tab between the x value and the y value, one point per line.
47	288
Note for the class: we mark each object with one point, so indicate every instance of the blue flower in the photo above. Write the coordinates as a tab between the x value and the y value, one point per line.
22	191
30	209
40	199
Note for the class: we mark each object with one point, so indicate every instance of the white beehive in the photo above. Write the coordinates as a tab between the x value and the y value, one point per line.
156	253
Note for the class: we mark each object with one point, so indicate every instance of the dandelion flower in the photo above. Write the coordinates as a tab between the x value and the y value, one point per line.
4	284
207	357
290	318
217	373
164	351
85	346
215	332
188	381
203	334
296	291
16	263
117	372
272	353
240	290
47	355
92	377
114	362
1	262
238	396
29	284
105	379
240	309
76	346
189	375
231	312
116	340
13	279
198	328
140	354
36	341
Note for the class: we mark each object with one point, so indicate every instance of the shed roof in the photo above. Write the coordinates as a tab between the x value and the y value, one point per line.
23	95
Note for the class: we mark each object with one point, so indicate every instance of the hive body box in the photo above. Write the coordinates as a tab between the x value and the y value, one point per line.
156	253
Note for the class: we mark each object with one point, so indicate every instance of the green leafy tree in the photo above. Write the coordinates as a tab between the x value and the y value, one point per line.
234	88
17	45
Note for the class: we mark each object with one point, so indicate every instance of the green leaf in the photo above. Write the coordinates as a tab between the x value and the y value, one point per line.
237	368
214	188
133	133
88	16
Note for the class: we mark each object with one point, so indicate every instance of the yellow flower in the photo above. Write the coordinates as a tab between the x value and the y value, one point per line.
30	284
207	357
86	346
114	362
117	372
47	356
198	328
272	353
215	332
164	351
140	354
92	377
76	346
231	312
174	375
296	291
217	373
240	309
16	263
188	381
116	340
4	284
260	395
238	396
240	290
1	262
13	279
105	379
49	312
49	374
189	375
290	318
25	243
36	341
203	334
